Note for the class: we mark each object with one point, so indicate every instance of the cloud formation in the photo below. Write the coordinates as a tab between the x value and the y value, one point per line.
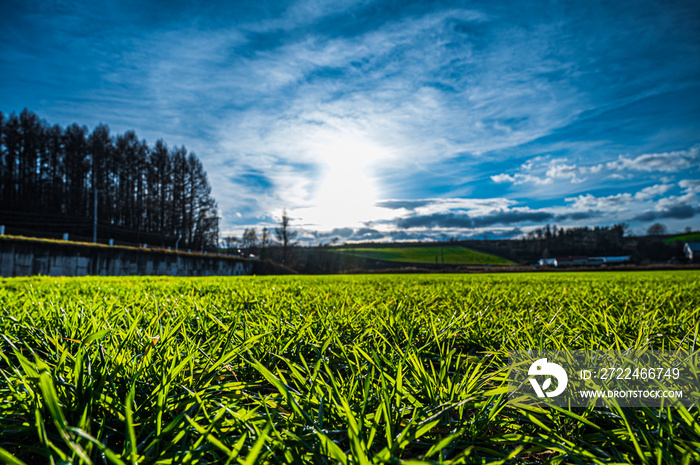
369	119
551	170
452	220
666	162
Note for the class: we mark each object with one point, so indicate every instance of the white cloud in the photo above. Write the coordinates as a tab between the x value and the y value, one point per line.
560	170
647	205
690	186
551	170
625	200
620	169
652	191
520	178
591	202
475	206
665	162
499	178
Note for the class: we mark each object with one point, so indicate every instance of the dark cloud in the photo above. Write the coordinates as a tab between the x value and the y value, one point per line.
503	234
337	232
513	216
406	236
407	204
343	232
444	220
367	234
508	234
647	216
578	215
350	234
679	212
452	220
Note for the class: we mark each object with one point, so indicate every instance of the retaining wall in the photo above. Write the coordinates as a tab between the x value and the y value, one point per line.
27	257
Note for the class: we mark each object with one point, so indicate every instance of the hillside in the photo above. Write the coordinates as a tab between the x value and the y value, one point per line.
450	255
690	237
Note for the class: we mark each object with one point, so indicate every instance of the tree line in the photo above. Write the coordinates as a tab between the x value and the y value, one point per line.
266	246
600	241
598	236
140	190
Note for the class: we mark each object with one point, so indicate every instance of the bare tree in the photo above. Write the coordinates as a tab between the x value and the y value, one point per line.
229	243
250	238
656	229
285	236
264	241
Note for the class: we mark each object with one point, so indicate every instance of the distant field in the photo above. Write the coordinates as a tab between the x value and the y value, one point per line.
360	369
453	255
692	237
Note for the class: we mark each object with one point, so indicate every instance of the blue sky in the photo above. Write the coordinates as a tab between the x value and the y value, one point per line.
388	120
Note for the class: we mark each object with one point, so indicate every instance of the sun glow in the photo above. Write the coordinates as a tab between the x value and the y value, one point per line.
347	193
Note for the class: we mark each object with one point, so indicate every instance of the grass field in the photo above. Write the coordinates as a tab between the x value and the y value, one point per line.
453	255
692	237
337	369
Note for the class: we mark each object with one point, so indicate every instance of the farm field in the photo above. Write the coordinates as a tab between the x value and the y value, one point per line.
453	255
328	369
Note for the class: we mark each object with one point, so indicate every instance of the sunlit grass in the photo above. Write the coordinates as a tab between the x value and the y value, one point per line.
341	369
449	255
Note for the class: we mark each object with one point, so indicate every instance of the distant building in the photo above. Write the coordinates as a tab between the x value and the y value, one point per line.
613	260
691	250
563	262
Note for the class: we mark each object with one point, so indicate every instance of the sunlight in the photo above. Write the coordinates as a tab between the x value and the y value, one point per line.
347	193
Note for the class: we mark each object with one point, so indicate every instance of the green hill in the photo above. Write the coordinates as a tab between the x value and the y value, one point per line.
691	237
453	255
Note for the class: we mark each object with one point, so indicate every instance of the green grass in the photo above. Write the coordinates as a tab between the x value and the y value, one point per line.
339	369
692	237
453	255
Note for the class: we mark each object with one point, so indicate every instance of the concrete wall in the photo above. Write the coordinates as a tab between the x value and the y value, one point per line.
26	258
